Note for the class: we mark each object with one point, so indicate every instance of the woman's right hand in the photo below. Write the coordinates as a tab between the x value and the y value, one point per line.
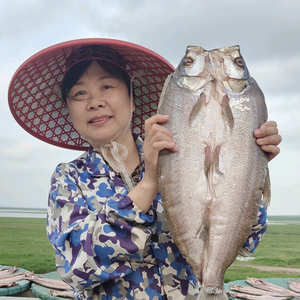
157	138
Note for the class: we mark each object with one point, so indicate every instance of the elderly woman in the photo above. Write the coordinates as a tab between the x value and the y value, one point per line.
105	215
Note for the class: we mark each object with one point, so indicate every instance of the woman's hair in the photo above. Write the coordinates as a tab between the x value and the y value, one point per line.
76	71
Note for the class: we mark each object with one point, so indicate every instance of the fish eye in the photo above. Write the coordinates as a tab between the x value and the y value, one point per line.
239	62
188	61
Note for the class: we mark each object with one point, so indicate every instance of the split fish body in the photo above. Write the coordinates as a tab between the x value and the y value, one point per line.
212	187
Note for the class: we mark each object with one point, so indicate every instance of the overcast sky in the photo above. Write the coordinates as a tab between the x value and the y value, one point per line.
268	32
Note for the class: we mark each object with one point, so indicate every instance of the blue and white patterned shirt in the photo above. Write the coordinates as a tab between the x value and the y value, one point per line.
106	247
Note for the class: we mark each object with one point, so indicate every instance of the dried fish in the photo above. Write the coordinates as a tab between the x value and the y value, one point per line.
253	297
212	187
7	284
294	285
251	290
15	277
65	294
47	282
7	271
266	286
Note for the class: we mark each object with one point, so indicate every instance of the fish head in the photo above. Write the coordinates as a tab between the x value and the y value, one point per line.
229	69
192	71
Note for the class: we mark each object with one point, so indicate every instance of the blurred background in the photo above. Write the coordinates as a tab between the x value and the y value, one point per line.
268	32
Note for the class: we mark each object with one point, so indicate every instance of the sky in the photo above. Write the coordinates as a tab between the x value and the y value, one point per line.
268	32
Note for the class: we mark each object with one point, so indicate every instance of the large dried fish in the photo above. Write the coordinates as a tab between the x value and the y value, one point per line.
212	187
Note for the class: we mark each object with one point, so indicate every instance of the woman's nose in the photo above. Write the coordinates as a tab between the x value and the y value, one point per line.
96	102
95	106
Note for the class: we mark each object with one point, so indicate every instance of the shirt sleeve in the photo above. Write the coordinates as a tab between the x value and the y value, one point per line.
258	231
93	246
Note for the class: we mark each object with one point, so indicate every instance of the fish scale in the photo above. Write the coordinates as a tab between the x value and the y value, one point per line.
212	187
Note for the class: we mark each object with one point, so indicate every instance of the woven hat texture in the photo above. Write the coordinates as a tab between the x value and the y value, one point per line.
34	91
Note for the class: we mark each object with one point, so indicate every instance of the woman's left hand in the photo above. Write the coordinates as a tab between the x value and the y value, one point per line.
268	138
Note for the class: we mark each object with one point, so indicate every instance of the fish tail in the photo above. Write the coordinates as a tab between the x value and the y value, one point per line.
205	296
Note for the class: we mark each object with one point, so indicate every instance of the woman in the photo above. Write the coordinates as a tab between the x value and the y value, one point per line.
105	215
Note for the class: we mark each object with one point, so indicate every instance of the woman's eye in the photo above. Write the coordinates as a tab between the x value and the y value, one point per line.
106	87
80	95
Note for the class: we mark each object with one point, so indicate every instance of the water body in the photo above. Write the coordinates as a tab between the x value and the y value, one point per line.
284	220
10	212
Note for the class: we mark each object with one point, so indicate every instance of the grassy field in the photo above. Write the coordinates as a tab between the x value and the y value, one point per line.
23	242
280	247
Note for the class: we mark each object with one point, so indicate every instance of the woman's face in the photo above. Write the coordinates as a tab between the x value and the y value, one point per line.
100	107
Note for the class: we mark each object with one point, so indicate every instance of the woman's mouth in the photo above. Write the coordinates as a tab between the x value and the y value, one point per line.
99	119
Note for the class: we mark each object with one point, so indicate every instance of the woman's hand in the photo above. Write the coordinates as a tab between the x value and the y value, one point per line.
268	138
157	138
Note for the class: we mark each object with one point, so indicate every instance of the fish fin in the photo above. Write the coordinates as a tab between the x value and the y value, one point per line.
164	91
216	156
226	111
203	230
211	165
204	296
208	167
207	161
197	108
203	235
211	162
267	190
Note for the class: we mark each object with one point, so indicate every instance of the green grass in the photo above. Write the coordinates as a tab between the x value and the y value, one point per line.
24	243
280	247
239	272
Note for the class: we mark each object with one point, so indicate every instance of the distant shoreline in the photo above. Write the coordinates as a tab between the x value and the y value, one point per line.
20	212
30	212
22	208
45	210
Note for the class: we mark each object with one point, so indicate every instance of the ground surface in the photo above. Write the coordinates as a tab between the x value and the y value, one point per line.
274	269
